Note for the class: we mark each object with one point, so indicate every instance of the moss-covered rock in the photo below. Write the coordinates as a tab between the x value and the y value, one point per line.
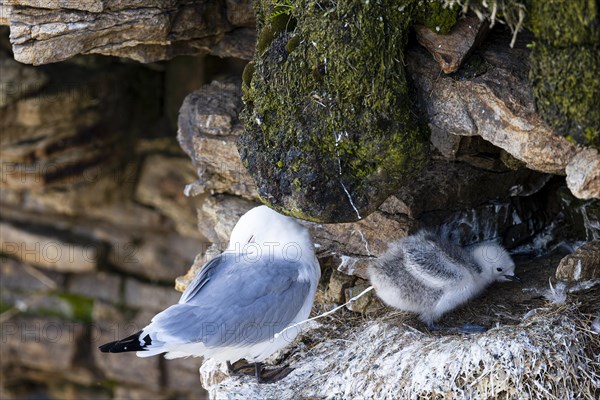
565	67
566	86
564	23
436	15
330	131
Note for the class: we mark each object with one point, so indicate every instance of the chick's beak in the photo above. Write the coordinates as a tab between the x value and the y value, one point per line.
513	278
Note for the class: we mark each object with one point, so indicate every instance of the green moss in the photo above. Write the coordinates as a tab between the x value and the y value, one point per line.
82	307
281	18
247	74
564	23
298	214
5	307
566	86
565	70
275	18
330	102
292	44
264	40
436	15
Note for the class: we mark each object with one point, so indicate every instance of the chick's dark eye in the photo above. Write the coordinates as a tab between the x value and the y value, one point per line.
499	269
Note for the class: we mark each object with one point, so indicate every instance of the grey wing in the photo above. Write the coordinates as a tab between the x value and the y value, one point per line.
241	303
201	278
433	261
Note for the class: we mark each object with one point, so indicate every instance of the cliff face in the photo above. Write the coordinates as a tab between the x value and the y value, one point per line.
50	31
101	210
94	229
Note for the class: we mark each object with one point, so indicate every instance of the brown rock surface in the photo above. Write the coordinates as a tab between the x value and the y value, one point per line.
101	285
583	174
182	374
18	80
65	133
44	343
150	297
136	393
208	129
159	257
21	276
46	32
218	216
161	184
451	49
495	103
47	251
152	251
581	265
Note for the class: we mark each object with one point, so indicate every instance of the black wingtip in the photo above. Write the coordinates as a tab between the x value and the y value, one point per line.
105	348
130	343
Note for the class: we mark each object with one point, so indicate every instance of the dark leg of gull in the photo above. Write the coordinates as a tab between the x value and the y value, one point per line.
271	375
258	372
263	375
236	369
468	328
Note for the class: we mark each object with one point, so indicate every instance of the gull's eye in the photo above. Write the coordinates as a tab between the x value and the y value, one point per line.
499	269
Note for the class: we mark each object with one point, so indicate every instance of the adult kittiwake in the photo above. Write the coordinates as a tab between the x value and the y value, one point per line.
264	282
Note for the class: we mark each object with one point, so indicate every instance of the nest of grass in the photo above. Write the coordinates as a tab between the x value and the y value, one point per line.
551	354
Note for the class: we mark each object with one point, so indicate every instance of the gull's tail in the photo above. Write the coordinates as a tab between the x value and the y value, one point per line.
130	343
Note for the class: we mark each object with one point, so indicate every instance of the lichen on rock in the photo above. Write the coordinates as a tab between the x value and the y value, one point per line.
330	130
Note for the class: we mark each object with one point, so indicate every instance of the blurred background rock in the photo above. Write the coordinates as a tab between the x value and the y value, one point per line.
94	225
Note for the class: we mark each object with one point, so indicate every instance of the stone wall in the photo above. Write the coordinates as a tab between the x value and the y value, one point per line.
50	31
94	225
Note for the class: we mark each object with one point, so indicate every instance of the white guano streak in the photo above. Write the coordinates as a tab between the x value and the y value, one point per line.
338	137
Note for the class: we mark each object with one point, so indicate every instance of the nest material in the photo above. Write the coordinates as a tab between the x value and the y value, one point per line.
551	356
552	353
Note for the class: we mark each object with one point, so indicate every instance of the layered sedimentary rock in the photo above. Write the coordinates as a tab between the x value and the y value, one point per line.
46	32
490	98
452	49
92	219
